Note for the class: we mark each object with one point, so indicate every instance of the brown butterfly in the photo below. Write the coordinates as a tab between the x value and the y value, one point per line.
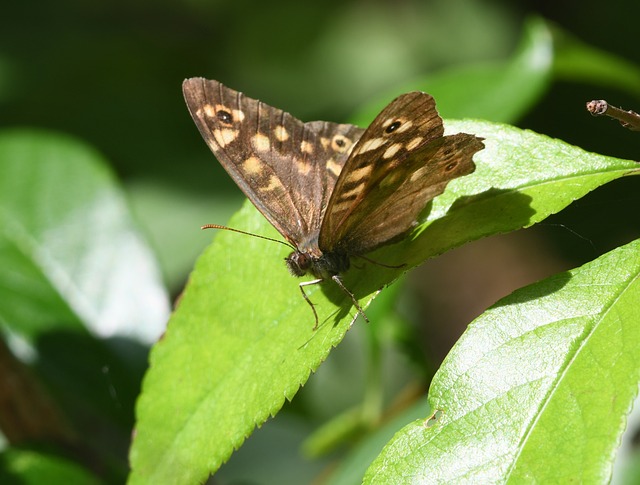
333	191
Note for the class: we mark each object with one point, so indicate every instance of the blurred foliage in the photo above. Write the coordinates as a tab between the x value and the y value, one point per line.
109	74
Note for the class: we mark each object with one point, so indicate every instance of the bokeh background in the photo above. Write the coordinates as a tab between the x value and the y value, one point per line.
109	74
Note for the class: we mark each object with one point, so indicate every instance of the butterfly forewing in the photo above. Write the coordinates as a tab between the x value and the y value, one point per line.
285	167
400	163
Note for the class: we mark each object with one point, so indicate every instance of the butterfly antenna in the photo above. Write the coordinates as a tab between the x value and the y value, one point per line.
217	226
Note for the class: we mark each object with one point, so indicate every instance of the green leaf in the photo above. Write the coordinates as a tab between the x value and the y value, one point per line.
241	340
497	91
69	250
30	467
538	388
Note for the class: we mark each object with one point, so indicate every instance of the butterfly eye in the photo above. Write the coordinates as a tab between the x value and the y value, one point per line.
393	127
298	263
224	117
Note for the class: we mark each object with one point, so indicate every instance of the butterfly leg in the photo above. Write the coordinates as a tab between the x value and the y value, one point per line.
307	283
338	280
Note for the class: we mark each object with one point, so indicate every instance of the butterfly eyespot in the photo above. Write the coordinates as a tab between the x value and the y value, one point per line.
340	143
393	127
451	166
224	117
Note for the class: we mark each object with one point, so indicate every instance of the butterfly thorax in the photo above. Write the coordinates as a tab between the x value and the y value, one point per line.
324	266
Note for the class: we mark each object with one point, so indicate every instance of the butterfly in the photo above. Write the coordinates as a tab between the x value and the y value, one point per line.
333	191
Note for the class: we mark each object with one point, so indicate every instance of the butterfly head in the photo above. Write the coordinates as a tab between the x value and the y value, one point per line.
324	266
298	263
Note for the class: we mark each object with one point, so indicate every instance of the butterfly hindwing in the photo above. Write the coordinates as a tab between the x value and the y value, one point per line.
338	141
280	163
400	163
430	169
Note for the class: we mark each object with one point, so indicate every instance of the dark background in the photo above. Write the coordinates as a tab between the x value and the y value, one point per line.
109	73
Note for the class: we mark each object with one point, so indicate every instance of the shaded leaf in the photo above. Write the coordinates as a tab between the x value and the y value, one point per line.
68	248
30	467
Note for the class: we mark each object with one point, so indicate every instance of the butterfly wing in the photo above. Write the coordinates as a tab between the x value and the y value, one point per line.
400	163
336	142
285	167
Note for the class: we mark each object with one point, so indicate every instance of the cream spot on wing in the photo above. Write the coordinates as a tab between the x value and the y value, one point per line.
333	167
281	133
361	173
252	166
325	142
237	115
261	142
274	183
306	147
418	174
304	167
392	150
414	143
352	194
208	110
225	136
371	145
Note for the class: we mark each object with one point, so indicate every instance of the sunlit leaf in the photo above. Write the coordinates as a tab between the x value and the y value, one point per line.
537	390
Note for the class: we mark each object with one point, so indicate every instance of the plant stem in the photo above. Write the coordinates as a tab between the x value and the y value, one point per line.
628	119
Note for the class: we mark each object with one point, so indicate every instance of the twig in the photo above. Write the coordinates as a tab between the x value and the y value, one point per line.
628	119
